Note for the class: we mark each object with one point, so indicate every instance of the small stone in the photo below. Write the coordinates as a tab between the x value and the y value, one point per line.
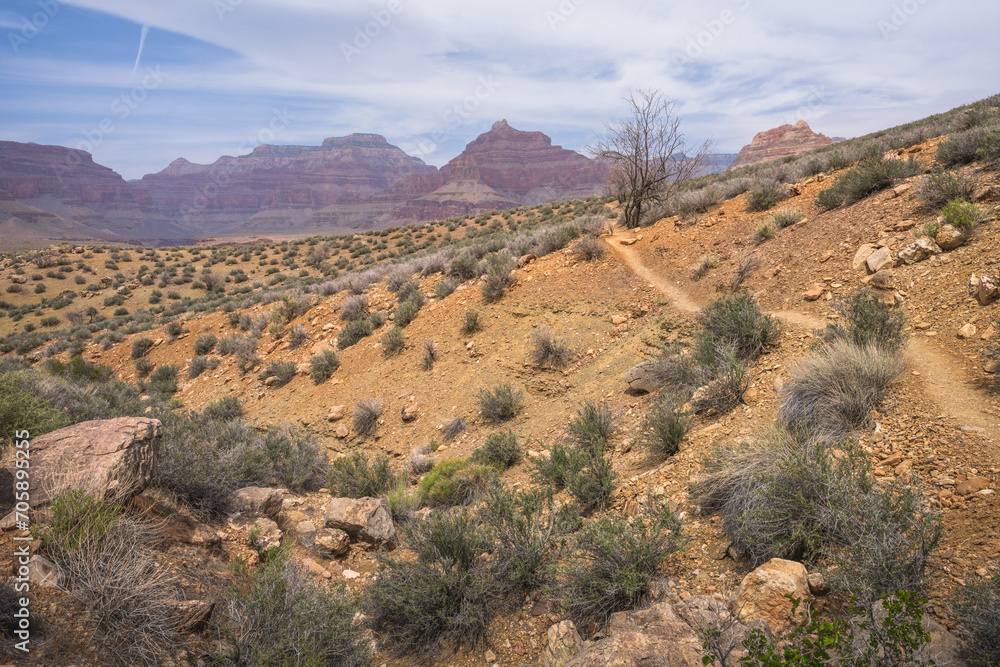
409	413
490	656
814	292
629	241
901	189
343	431
967	330
337	413
351	574
618	319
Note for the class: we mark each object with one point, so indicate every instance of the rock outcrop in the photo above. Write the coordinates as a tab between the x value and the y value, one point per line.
108	457
780	142
366	520
762	594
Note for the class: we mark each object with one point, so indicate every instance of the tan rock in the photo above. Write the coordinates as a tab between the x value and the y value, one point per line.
967	330
814	292
256	501
918	251
641	378
342	431
337	413
949	238
564	643
762	593
618	319
904	225
878	259
901	189
409	413
882	279
332	543
365	519
188	616
861	255
988	289
972	485
629	241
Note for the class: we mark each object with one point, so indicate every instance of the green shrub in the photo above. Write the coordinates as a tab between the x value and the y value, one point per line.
787	217
868	320
163	380
592	426
205	344
199	365
764	231
870	176
547	350
976	608
764	196
500	450
444	593
498	275
405	313
223	409
393	342
962	215
833	391
323	365
366	414
465	267
977	143
736	320
589	248
282	371
174	329
143	367
557	467
354	332
470	322
501	403
590	478
141	347
40	288
615	564
357	476
665	424
456	481
941	186
78	518
355	308
280	616
445	287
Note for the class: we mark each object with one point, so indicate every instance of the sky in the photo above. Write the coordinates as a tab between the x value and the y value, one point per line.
139	83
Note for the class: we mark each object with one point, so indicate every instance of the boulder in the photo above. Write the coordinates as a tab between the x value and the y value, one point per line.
882	279
332	543
268	533
988	289
878	259
972	485
814	293
949	238
190	615
305	532
653	636
366	520
861	255
641	378
708	615
337	413
563	644
967	330
256	501
108	457
918	251
762	593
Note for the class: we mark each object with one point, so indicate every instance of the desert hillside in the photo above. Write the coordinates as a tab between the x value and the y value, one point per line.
539	349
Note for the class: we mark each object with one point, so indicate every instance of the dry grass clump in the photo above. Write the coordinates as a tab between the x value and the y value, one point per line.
366	414
429	356
547	350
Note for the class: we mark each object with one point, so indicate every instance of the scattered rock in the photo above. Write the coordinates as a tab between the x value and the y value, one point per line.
653	636
618	319
43	572
564	643
256	501
901	189
949	238
817	584
882	279
904	225
861	255
918	251
268	533
332	543
972	485
107	457
342	431
188	616
641	378
409	413
762	593
271	381
967	331
629	241
983	192
304	532
988	289
364	519
814	292
878	259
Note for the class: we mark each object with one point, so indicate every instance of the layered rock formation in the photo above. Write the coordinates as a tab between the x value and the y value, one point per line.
52	190
780	142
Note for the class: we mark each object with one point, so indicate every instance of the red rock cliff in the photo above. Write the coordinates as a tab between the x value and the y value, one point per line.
780	142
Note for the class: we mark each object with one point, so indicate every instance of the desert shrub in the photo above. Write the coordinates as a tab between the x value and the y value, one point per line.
728	379
964	147
456	481
453	428
354	332
665	424
764	195
557	467
443	593
393	342
941	186
470	322
962	214
199	365
223	409
163	380
500	450
143	367
705	264
404	501
547	350
764	231
497	278
322	366
114	573
405	313
174	329
590	248
429	356
445	287
868	320
746	266
464	267
786	217
282	371
501	403
205	344
833	391
976	608
297	337
355	308
376	320
366	415
868	177
592	426
141	347
589	477
278	615
736	320
616	560
679	370
357	476
930	228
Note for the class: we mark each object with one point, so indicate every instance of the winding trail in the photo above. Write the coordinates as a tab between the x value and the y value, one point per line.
945	381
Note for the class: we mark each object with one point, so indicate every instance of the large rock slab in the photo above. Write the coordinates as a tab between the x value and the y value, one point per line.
256	501
641	378
114	458
919	250
644	638
762	593
366	520
564	643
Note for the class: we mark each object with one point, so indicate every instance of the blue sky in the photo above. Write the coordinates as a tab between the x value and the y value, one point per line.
217	77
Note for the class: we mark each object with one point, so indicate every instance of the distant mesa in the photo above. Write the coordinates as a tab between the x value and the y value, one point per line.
780	142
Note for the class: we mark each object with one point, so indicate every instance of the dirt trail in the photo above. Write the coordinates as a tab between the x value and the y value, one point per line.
945	381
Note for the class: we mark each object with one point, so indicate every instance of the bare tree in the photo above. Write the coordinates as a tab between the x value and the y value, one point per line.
648	154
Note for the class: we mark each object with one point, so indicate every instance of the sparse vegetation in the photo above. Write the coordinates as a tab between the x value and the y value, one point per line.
787	217
205	344
141	347
737	321
470	322
366	415
354	332
501	403
429	355
456	481
452	429
498	275
705	264
357	476
393	342
962	215
764	231
868	177
665	424
869	320
547	350
976	607
590	248
322	366
500	450
282	373
765	195
942	186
